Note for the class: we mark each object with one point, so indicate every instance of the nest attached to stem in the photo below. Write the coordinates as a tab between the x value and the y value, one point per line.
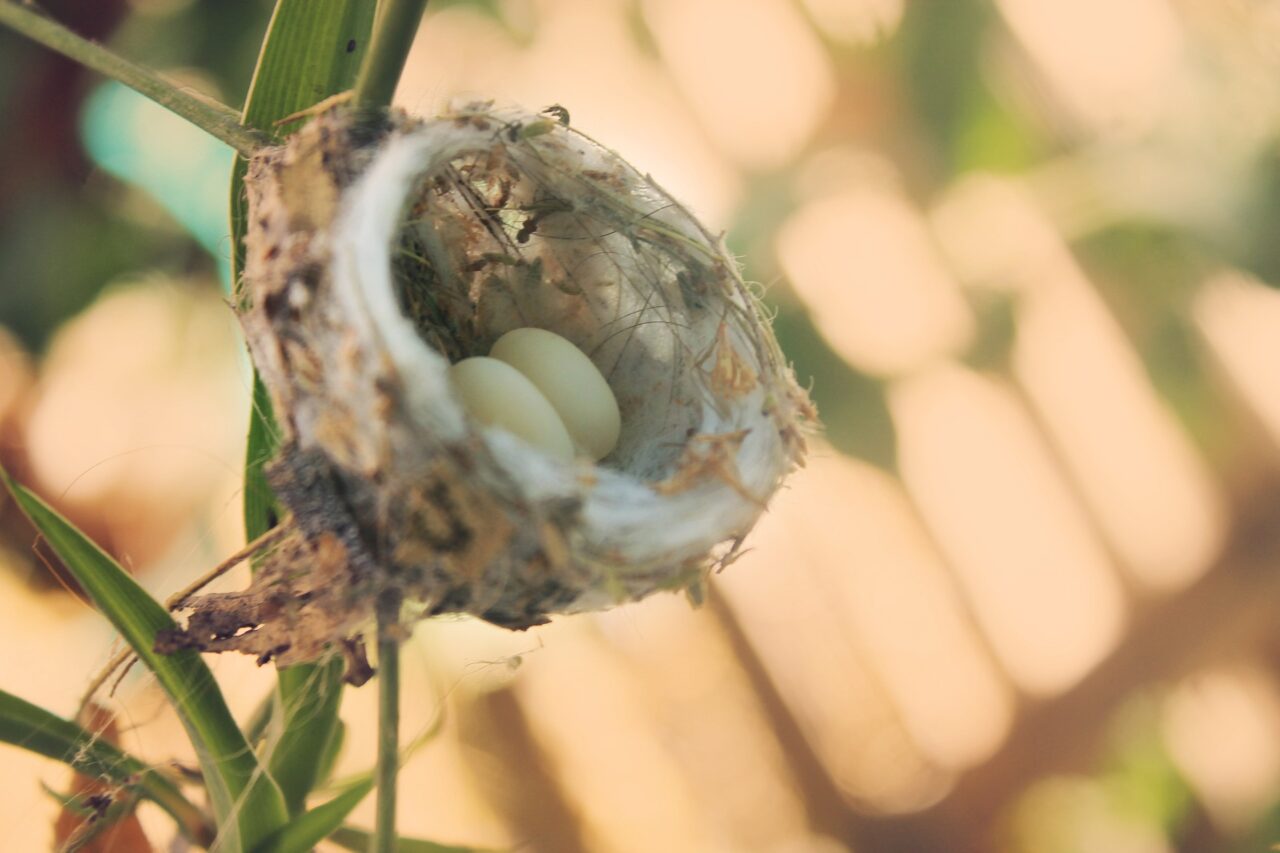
377	254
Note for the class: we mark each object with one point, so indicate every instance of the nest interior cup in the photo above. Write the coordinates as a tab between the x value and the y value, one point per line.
381	252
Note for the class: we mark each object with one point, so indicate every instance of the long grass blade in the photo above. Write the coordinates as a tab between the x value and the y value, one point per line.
310	828
247	802
312	50
34	729
331	752
351	838
309	698
202	111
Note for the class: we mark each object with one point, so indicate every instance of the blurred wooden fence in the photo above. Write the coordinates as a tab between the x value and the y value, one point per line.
905	652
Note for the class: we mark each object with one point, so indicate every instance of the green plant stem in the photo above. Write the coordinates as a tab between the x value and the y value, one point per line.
205	113
388	766
395	28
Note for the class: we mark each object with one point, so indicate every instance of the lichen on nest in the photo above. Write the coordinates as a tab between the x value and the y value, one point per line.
375	257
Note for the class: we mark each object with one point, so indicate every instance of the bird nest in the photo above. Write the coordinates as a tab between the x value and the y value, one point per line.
378	255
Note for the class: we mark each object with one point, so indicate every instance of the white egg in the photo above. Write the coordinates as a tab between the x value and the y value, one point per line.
495	393
567	378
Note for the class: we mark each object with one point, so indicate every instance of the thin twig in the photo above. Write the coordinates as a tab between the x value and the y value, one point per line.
395	27
384	835
100	679
177	600
180	598
124	670
216	119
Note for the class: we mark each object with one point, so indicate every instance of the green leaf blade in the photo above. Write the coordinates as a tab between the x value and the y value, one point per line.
332	750
260	509
309	698
34	729
310	828
351	838
237	783
312	50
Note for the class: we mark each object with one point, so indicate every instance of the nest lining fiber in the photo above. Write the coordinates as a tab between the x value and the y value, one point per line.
374	260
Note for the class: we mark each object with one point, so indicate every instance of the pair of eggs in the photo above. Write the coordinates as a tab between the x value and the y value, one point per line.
543	389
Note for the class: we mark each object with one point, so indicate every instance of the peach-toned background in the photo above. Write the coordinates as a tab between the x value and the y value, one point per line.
1026	594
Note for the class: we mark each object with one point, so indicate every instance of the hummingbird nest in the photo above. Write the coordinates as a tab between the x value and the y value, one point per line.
375	258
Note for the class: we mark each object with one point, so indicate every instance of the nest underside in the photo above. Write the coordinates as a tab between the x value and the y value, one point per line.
374	258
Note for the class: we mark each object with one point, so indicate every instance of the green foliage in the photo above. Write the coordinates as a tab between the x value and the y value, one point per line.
310	828
309	697
248	804
332	749
1148	273
350	838
940	53
250	808
260	509
35	729
312	50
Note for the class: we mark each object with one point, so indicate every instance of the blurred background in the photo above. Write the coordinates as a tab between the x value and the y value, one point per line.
1026	594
